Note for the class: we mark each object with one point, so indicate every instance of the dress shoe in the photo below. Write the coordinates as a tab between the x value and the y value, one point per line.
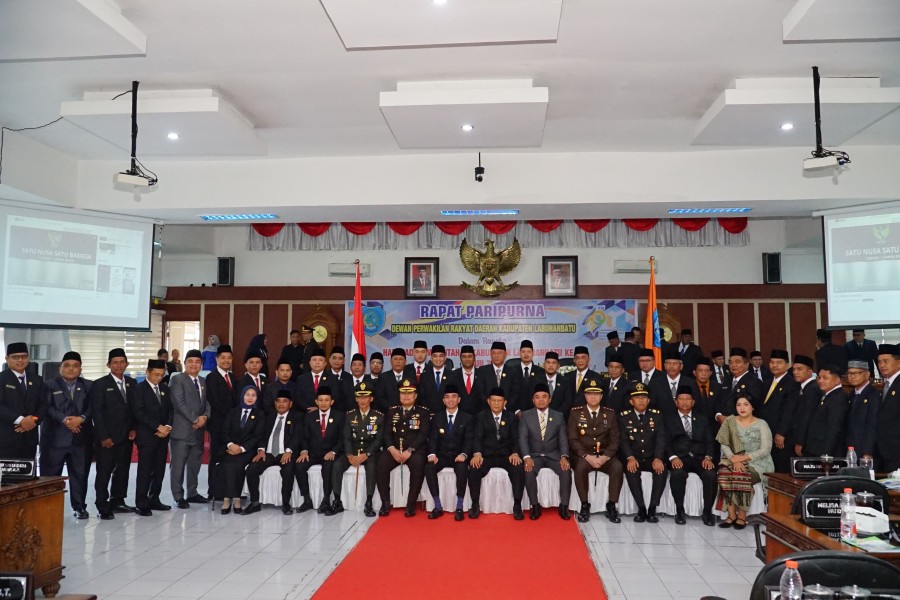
740	524
197	499
254	507
535	512
458	515
409	512
584	515
641	515
226	510
122	508
160	506
144	512
106	516
518	515
237	510
337	507
726	524
182	504
385	510
81	514
475	511
307	505
368	510
564	513
612	513
651	516
323	506
708	519
437	513
287	510
679	517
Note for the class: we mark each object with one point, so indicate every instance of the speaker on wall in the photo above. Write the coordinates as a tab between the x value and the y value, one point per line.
771	267
225	272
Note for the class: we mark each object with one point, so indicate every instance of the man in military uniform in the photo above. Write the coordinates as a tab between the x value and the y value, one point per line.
594	439
405	442
449	445
363	435
643	447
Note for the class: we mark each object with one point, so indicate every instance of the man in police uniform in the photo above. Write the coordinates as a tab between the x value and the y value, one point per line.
405	442
363	436
643	448
594	439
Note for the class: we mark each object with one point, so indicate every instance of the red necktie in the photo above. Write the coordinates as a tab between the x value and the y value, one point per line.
323	425
256	382
468	383
228	381
316	384
418	373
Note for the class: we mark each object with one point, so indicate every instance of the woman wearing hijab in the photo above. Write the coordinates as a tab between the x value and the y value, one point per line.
209	353
244	432
258	344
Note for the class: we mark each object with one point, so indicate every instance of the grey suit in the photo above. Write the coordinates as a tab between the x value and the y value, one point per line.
546	453
186	444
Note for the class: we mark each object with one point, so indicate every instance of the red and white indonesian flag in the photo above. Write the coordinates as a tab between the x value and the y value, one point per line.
358	344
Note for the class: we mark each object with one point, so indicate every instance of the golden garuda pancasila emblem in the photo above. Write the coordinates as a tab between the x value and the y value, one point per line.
490	266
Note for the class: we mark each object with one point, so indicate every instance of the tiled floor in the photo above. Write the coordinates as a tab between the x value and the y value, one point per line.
198	553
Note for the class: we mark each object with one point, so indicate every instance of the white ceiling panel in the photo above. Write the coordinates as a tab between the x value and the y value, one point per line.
754	112
842	20
501	113
205	123
364	24
66	29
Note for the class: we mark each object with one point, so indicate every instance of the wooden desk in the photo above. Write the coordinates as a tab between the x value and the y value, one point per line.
31	530
783	489
786	534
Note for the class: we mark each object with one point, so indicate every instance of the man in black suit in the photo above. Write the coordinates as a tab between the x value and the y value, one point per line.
642	445
376	365
690	449
253	363
220	396
757	368
810	393
577	381
358	375
618	388
825	432
887	434
553	379
153	415
341	390
21	405
421	279
689	351
66	433
675	378
310	345
308	384
283	380
828	353
495	443
419	363
465	378
405	443
293	353
630	352
652	378
434	380
779	404
720	370
110	399
320	444
284	428
386	389
740	383
865	403
613	348
859	348
449	445
499	374
530	374
707	391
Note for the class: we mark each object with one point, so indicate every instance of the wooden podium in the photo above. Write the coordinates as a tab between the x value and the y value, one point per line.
31	530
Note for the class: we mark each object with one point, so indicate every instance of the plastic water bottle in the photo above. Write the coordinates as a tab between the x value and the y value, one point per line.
848	516
852	461
791	586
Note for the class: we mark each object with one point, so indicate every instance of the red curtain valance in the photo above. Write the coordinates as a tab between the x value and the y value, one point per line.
591	225
314	229
267	229
498	227
405	228
545	226
452	227
691	224
733	224
359	228
640	224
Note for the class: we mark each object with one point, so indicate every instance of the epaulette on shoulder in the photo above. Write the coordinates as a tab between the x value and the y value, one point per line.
625	413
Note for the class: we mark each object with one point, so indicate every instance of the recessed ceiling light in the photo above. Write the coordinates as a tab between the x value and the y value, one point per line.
708	211
173	136
787	126
468	127
239	217
481	212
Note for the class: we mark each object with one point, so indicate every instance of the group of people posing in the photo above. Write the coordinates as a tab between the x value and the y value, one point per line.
516	415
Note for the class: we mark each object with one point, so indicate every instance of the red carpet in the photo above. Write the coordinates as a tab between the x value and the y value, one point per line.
493	557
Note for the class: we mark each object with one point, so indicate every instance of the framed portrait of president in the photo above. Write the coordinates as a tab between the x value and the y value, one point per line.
560	276
421	279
